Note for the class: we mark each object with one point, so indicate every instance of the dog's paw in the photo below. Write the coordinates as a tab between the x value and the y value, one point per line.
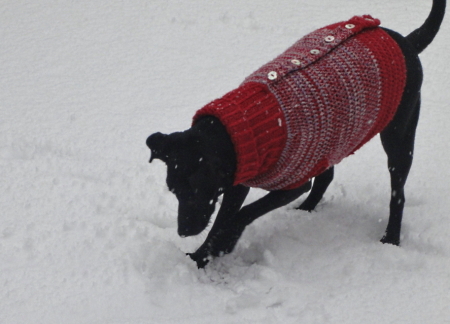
389	240
307	206
201	260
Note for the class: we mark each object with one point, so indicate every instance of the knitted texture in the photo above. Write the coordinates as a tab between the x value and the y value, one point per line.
332	91
256	124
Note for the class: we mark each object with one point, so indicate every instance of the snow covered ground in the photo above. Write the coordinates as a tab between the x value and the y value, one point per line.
87	227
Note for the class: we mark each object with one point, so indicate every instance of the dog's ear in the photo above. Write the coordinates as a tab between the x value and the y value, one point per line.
158	145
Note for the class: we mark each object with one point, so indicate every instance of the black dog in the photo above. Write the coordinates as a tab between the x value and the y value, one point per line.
202	162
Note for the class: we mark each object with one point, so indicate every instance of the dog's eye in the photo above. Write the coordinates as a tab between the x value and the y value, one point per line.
203	181
180	187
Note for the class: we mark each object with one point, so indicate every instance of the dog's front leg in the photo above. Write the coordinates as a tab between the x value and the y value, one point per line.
233	198
228	228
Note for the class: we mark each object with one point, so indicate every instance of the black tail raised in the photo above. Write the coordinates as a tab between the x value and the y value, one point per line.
424	35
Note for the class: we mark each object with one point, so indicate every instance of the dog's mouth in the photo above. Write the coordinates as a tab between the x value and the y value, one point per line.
188	231
193	220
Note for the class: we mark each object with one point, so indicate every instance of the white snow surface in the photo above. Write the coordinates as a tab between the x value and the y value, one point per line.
88	227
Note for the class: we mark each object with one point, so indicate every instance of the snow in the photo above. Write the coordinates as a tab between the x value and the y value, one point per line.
88	227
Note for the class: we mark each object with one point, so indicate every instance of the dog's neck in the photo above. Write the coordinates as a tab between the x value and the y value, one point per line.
216	144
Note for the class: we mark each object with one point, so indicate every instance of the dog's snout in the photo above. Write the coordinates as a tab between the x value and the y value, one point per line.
193	217
185	231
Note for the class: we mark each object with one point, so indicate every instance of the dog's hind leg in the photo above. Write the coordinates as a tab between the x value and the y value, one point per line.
320	185
398	143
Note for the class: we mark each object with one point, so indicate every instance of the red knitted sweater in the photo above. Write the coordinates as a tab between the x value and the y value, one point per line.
313	105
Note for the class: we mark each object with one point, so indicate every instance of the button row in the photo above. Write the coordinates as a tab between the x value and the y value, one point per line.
273	75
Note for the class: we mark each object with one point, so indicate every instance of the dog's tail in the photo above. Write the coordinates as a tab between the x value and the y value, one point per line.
424	35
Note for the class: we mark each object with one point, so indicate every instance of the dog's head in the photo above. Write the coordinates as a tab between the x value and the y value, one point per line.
193	175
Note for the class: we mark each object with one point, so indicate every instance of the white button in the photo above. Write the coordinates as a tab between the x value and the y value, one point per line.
349	26
296	62
272	75
315	51
329	39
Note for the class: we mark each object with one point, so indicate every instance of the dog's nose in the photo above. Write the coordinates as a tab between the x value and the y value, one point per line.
184	232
